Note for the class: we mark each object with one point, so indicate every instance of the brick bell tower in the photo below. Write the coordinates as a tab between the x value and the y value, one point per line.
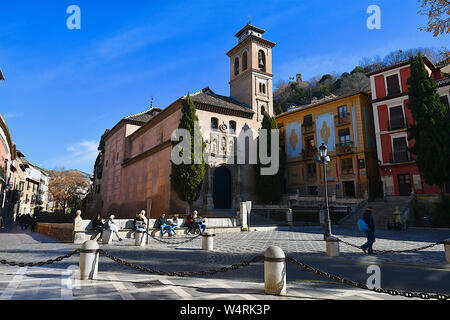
251	71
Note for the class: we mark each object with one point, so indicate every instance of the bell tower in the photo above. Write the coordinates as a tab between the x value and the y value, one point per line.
251	71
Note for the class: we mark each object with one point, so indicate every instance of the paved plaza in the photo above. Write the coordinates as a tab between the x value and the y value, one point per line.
423	271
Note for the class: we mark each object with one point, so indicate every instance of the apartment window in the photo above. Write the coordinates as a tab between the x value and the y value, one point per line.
344	136
393	85
309	144
214	123
347	165
342	112
400	146
311	169
307	120
396	118
232	127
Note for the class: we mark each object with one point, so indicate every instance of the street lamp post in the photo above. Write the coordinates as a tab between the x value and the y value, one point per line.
324	159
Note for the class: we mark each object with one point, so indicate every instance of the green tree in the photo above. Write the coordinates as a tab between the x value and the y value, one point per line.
187	179
430	130
269	187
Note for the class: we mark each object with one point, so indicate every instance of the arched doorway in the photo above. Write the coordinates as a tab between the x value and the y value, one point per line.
222	188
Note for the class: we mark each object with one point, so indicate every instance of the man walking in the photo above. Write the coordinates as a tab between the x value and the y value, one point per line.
370	232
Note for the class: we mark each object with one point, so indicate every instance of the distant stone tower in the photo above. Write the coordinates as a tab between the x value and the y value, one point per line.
251	71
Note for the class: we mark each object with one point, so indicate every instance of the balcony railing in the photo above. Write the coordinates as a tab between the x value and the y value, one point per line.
394	124
400	156
311	176
346	171
342	119
308	153
308	127
344	148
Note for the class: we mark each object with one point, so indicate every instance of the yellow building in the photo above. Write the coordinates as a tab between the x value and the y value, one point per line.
345	125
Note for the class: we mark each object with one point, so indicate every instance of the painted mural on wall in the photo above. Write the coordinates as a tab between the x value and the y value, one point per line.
294	140
325	131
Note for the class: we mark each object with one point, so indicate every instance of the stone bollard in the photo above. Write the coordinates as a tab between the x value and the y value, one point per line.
88	267
78	232
208	241
274	271
140	238
332	246
107	236
447	250
289	217
243	215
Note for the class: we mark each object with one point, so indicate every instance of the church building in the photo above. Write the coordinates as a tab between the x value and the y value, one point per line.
132	171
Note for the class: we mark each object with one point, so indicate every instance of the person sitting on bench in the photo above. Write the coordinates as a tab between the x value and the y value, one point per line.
190	224
97	225
200	224
162	223
113	226
139	222
174	224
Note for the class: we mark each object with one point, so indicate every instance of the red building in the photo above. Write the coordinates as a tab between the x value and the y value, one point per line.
399	173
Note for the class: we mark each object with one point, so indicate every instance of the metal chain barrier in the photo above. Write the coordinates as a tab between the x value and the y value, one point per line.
392	292
41	263
181	273
395	251
175	243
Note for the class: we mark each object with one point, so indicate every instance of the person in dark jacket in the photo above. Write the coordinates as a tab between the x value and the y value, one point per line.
370	232
97	224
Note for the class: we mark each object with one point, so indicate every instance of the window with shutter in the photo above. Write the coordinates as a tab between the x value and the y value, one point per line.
396	118
393	85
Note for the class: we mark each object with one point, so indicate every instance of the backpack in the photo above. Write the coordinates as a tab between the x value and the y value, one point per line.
362	225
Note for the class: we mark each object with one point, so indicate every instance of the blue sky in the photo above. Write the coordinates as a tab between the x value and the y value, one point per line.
64	87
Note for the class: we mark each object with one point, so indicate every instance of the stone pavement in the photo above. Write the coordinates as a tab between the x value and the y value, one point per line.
116	281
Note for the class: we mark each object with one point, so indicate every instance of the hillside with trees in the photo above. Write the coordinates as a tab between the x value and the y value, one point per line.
288	94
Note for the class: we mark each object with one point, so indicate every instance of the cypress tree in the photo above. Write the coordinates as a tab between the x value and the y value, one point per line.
430	130
269	187
187	179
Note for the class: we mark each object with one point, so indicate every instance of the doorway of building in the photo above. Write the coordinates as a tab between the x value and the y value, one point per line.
404	184
222	188
349	188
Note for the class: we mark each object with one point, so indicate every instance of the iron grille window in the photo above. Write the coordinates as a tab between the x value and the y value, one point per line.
400	149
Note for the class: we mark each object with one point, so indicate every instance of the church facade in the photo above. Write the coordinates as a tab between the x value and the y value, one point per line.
133	169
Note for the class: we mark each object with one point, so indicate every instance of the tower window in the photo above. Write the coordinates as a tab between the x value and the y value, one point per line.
261	60
262	87
232	126
244	61
214	123
236	66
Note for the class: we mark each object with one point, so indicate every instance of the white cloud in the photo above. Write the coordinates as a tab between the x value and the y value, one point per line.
11	115
80	155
